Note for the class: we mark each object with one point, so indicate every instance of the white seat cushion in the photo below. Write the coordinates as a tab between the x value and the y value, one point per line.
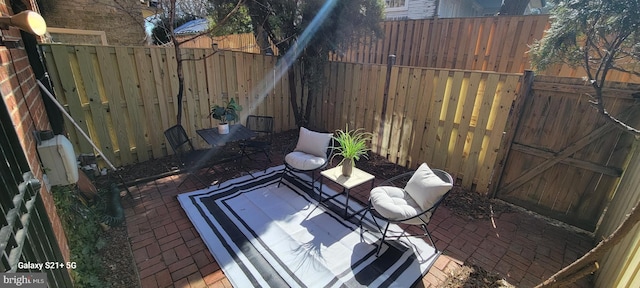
394	203
425	187
313	143
304	161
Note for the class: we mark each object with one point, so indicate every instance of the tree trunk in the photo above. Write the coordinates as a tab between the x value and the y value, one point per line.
293	98
513	7
176	47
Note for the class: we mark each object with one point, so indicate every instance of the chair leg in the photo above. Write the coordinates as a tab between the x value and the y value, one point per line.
266	153
382	240
282	175
426	232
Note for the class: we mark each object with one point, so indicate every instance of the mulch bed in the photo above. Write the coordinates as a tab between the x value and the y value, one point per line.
118	259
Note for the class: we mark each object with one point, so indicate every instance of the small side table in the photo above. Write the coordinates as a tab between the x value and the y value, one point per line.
357	177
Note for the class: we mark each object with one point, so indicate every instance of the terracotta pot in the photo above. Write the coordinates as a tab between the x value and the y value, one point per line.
223	128
347	167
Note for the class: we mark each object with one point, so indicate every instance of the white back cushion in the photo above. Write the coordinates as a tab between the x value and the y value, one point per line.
313	143
425	187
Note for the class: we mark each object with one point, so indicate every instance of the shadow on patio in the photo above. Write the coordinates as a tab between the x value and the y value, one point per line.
520	247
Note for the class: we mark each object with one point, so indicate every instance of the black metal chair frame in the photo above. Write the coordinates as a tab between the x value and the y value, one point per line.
263	126
293	171
190	159
443	175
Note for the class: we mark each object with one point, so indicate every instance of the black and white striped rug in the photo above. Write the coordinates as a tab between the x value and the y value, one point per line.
263	235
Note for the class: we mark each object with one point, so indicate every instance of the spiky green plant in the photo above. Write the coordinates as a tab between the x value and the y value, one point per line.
352	144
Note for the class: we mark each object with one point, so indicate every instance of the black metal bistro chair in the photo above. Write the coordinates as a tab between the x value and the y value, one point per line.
412	203
190	159
263	126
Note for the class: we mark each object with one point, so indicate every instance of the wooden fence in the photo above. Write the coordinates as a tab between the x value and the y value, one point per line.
496	44
619	267
564	159
451	119
245	42
124	97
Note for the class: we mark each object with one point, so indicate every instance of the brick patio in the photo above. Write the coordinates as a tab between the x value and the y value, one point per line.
522	248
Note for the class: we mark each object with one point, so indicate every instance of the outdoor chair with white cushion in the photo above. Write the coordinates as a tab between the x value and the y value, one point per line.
413	203
311	154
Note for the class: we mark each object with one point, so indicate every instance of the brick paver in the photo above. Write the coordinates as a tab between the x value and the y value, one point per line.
522	248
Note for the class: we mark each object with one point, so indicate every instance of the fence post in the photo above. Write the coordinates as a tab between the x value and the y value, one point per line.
510	130
391	60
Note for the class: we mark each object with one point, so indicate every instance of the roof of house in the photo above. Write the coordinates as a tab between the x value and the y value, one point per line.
192	27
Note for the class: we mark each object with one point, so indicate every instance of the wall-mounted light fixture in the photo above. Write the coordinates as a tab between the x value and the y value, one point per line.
26	20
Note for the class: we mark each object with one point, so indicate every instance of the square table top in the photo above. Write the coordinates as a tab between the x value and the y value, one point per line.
357	177
237	132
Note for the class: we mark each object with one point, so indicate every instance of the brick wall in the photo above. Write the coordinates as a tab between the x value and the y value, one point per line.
21	95
120	19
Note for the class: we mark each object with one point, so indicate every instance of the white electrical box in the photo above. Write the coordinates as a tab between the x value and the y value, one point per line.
59	160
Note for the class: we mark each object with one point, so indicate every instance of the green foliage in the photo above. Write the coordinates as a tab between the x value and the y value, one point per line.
81	226
226	113
312	29
352	144
597	35
239	22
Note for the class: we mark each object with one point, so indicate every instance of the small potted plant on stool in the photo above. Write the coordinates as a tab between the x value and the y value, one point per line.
351	146
226	114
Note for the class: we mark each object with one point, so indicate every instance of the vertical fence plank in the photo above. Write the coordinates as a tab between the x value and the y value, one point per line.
200	87
468	100
113	95
497	122
476	147
386	118
398	112
408	121
147	92
451	103
422	113
96	118
69	90
163	90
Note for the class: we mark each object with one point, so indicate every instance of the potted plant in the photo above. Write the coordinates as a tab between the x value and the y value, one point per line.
225	114
352	144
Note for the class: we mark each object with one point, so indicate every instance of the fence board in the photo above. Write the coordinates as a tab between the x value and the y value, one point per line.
163	91
398	112
477	143
113	95
70	96
468	95
96	117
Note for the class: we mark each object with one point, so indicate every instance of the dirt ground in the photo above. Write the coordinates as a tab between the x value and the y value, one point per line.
117	257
